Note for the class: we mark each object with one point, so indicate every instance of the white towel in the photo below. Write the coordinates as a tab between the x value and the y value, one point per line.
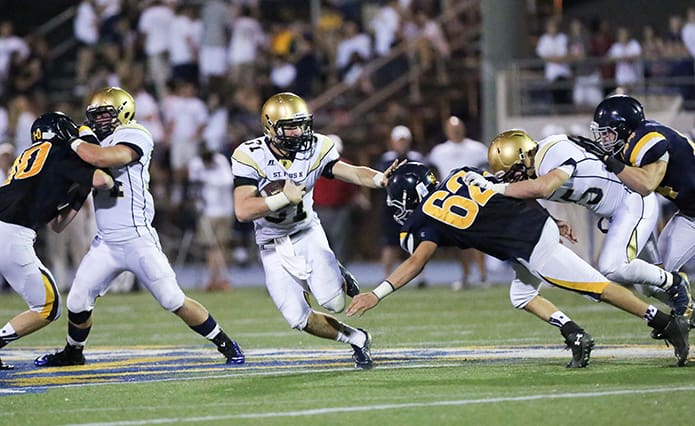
295	265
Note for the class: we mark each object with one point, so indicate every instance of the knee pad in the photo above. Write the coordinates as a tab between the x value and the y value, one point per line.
335	305
520	294
300	322
79	317
172	302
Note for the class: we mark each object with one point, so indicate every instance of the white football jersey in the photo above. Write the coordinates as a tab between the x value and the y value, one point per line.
254	160
128	212
590	184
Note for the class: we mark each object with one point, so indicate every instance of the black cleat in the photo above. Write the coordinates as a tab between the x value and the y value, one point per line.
680	294
362	355
70	355
581	344
676	333
230	349
4	366
352	286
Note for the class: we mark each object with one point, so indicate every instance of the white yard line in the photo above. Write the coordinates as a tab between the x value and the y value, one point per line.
381	407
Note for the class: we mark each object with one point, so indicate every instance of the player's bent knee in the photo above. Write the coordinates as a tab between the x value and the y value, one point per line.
173	302
299	322
335	305
521	294
79	317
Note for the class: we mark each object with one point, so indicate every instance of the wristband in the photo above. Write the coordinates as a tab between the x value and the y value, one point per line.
378	178
500	187
75	143
277	201
614	165
383	290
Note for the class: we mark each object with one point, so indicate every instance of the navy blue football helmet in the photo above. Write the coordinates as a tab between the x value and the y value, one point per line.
614	119
53	127
407	187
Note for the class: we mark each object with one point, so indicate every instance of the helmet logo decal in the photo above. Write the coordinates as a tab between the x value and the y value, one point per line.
42	135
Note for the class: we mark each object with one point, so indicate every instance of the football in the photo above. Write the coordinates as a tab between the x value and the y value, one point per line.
272	188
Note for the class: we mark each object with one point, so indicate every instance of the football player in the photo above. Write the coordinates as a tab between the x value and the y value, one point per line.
47	184
558	170
296	257
649	157
125	237
455	214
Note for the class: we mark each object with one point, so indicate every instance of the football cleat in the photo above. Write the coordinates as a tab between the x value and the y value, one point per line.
680	295
4	366
676	333
70	355
362	355
231	350
352	286
581	344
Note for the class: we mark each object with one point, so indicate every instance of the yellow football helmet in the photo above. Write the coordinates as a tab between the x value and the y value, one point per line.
511	154
109	108
287	110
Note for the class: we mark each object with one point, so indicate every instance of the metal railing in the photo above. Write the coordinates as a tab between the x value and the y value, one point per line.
411	79
530	93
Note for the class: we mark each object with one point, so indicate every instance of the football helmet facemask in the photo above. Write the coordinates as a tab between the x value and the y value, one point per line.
511	155
53	127
284	112
614	119
109	108
407	187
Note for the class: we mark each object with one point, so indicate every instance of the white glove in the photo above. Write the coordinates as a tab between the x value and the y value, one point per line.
475	179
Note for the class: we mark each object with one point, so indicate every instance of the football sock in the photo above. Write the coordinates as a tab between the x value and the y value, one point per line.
569	328
558	319
351	335
655	318
208	329
7	335
220	338
77	336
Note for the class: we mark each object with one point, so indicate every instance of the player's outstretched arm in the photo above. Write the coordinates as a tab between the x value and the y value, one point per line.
364	176
403	274
540	187
109	156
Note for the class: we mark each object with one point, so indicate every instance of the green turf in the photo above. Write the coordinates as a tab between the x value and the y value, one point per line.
527	392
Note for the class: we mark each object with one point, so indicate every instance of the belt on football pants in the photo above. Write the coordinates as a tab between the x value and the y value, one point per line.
271	244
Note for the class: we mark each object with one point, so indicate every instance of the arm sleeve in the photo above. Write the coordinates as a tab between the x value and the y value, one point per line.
328	170
241	181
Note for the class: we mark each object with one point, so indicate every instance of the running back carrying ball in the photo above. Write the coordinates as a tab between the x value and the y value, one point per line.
272	188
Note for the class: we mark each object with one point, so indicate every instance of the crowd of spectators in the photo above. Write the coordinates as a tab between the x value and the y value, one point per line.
594	58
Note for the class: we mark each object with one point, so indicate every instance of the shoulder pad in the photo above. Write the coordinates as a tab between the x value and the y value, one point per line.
133	125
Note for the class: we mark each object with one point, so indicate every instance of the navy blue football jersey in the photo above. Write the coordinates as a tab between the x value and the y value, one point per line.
468	217
651	141
43	179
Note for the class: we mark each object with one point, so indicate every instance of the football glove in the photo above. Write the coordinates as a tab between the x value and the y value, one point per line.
594	147
476	179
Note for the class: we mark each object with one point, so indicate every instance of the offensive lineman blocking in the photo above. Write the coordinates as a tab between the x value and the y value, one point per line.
125	239
558	170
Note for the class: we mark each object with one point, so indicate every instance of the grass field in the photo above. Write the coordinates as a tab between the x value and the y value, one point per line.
442	358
